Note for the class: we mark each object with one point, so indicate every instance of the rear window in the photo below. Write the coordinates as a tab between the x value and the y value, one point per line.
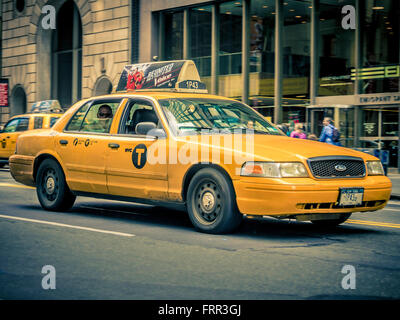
90	119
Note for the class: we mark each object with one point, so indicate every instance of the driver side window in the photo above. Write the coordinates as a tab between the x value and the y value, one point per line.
137	112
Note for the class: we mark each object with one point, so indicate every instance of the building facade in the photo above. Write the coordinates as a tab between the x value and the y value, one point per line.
81	57
292	60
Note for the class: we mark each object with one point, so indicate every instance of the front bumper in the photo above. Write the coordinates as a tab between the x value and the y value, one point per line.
296	196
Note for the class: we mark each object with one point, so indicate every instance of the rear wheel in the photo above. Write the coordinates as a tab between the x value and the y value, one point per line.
211	202
52	190
332	222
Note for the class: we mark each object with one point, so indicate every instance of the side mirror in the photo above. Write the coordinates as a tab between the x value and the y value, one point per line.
150	129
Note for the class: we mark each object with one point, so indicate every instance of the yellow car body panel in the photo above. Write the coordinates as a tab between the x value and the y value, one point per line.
93	164
8	139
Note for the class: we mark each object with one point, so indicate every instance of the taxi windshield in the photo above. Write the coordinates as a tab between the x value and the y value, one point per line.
187	116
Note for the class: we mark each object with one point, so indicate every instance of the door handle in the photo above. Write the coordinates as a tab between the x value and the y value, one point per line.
113	145
8	137
63	142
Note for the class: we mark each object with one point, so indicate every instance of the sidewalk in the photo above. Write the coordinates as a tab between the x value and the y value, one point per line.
395	178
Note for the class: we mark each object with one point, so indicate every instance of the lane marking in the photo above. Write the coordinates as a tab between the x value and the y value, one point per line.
374	224
12	185
67	226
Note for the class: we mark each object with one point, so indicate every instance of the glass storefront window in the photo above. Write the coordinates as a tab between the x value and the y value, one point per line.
336	50
173	35
296	50
370	123
380	43
230	38
262	56
200	39
346	126
230	50
390	122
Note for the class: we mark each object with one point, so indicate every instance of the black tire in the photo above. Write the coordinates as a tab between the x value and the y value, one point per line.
52	190
332	222
211	202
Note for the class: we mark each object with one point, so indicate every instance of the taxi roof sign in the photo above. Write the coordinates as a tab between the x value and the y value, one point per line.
178	76
46	106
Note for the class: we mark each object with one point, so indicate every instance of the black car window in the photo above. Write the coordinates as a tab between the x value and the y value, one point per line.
23	124
11	126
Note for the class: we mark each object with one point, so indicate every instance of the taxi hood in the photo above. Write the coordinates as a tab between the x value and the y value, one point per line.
282	148
262	147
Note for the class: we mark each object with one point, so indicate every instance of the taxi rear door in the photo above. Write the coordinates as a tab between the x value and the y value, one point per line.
83	146
132	170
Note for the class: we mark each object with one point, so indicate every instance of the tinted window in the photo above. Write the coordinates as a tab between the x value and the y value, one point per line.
38	123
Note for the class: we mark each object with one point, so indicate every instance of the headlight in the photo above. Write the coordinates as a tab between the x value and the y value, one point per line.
274	169
375	168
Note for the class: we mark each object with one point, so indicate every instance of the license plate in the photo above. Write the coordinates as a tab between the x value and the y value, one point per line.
351	196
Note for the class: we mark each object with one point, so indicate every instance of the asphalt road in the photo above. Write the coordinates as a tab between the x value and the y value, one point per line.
115	250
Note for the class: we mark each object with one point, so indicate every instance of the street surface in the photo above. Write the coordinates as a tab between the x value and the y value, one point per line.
116	250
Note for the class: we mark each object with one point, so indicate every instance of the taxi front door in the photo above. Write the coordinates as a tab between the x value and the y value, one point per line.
136	164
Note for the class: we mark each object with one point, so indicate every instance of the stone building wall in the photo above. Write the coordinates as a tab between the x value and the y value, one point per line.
26	47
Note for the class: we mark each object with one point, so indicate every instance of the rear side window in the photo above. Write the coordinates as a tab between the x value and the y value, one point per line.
23	124
38	122
76	121
97	118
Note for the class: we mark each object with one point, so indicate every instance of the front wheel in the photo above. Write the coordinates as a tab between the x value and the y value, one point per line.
52	190
211	202
332	222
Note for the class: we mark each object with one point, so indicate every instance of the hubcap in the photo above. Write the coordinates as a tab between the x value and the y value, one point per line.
208	202
50	185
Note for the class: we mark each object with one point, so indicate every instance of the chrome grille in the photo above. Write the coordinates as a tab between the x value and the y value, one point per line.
337	167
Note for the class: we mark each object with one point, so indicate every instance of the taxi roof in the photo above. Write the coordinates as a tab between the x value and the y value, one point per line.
36	114
162	95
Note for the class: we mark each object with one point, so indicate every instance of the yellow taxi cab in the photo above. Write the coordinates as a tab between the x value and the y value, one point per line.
161	139
38	118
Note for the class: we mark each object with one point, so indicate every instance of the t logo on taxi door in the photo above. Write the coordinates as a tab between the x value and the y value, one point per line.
139	156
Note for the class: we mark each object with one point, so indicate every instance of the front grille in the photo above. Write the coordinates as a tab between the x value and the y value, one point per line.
337	167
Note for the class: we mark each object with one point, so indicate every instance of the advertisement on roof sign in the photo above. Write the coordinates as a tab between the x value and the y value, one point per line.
150	76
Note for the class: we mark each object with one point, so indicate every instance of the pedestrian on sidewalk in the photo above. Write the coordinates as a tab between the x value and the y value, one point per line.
298	132
330	134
